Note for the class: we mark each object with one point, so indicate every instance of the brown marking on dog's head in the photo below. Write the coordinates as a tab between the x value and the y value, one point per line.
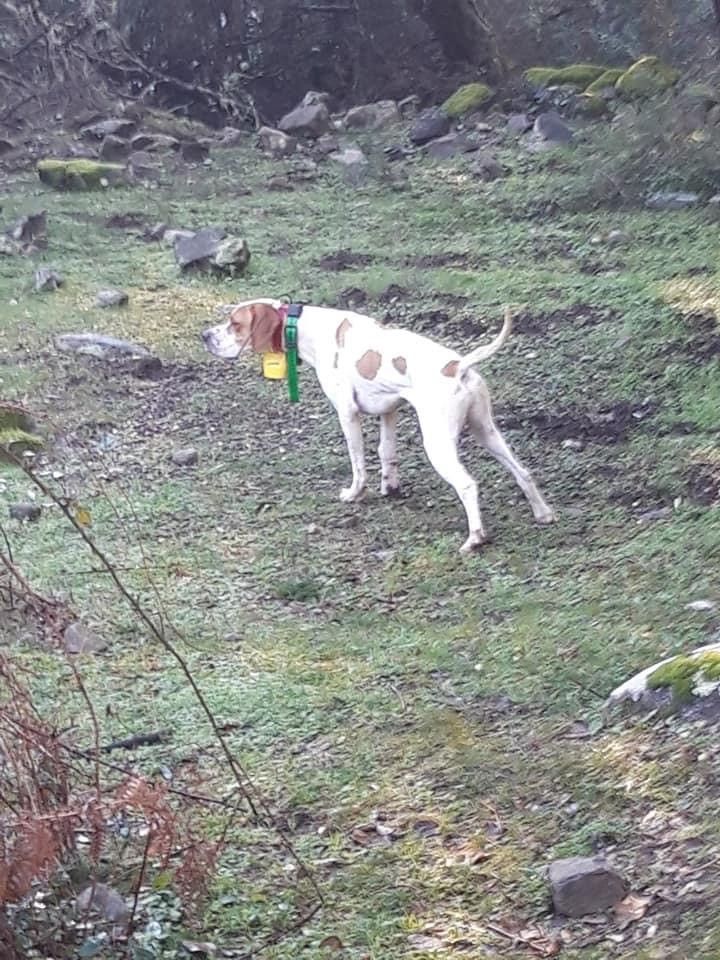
400	364
451	368
369	364
342	331
259	325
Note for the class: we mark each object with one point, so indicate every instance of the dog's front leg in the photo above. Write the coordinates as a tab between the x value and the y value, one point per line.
351	427
389	482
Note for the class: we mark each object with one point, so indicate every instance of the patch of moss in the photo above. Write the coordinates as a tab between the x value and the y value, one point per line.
470	97
576	75
682	674
606	80
646	78
79	174
591	105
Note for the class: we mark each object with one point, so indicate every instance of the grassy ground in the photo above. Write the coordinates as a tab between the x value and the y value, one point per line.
428	727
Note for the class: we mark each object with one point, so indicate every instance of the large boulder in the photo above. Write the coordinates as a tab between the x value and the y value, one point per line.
372	116
468	98
647	77
430	125
275	142
211	250
80	174
310	121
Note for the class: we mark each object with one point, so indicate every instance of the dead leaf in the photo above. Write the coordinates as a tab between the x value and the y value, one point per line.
332	943
83	516
632	908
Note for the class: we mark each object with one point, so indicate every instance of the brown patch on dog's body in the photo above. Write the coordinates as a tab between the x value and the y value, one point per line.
369	364
451	368
342	331
400	364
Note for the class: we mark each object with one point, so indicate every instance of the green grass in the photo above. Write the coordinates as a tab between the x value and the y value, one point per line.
363	669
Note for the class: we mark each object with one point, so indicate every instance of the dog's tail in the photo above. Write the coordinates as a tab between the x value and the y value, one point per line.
484	353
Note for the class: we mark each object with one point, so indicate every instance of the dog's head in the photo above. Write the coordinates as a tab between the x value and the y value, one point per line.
257	324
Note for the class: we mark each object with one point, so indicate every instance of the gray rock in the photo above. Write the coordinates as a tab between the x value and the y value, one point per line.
197	248
276	143
326	144
155	142
231	137
584	885
350	157
111	298
30	228
142	165
409	106
518	123
552	128
667	200
113	148
572	444
307	121
210	249
6	146
451	145
488	168
105	901
232	255
372	116
173	236
194	151
185	457
314	97
8	247
47	279
100	346
430	125
80	639
114	127
25	511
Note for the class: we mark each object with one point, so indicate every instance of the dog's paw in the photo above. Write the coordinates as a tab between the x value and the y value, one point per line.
473	543
545	518
351	494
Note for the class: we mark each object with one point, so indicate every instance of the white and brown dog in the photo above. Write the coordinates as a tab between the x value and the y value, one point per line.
367	368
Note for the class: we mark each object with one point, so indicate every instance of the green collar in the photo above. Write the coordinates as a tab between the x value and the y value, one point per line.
291	350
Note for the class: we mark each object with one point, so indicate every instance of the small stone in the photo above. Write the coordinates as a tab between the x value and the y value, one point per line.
231	137
111	298
29	512
700	606
276	143
571	444
372	116
584	885
105	901
667	200
80	639
99	345
657	513
30	229
349	157
326	144
198	248
409	106
47	279
185	457
142	165
120	128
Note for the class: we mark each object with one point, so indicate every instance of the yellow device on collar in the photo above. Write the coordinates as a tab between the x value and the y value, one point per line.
274	366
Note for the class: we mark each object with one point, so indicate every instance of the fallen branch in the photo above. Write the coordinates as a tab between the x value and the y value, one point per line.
138	740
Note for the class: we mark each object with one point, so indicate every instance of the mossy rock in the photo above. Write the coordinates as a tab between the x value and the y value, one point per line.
79	174
647	77
468	98
17	433
591	105
606	80
684	677
578	75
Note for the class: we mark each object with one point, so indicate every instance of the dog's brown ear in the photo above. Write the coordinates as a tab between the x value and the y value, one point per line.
266	328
